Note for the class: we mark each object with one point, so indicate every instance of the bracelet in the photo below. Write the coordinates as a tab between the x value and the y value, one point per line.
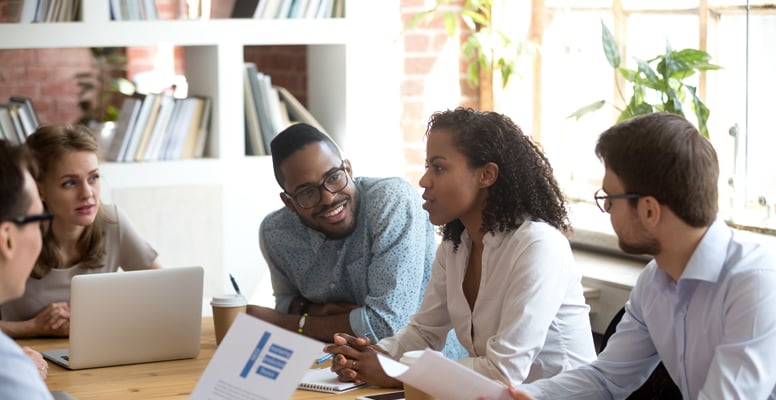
303	305
302	320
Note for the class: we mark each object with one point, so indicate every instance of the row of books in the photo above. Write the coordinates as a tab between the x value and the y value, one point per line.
268	110
50	10
160	127
18	119
283	9
133	10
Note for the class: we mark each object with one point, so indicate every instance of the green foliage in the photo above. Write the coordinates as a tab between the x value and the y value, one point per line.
665	80
485	46
101	85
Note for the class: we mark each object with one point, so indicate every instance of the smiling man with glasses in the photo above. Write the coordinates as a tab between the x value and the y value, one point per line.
345	254
21	218
704	305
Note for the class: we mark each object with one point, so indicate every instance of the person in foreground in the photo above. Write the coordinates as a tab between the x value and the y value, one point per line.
504	277
22	219
345	254
86	236
705	304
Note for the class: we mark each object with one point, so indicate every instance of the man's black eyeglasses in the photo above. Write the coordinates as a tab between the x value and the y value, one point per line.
44	219
604	201
310	196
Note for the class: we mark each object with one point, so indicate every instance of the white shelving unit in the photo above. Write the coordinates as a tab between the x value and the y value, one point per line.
207	211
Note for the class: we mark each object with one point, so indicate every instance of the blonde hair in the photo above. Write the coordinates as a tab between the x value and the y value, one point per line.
48	144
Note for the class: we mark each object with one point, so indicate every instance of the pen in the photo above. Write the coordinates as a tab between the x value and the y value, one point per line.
234	284
328	356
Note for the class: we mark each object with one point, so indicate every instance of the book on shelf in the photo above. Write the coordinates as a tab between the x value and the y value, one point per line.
160	129
130	108
262	108
271	9
285	8
147	127
254	143
137	126
244	8
296	111
198	130
155	127
269	109
132	10
28	11
18	119
176	127
7	125
27	114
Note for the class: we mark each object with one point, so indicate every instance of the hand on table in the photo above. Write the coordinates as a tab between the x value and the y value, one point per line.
356	360
38	360
54	320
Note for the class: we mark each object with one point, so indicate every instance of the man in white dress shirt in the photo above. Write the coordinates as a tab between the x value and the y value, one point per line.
706	304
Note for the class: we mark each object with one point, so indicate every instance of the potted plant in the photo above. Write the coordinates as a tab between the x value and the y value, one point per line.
486	49
658	84
102	85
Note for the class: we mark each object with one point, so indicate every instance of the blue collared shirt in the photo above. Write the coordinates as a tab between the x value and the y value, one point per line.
18	377
383	266
714	329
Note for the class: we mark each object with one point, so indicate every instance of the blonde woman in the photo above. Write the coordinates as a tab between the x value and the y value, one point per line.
85	236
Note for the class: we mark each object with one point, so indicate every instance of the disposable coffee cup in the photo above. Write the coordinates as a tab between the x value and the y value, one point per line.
225	310
411	392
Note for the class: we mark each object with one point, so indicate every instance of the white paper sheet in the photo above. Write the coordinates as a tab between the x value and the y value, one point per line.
256	361
444	378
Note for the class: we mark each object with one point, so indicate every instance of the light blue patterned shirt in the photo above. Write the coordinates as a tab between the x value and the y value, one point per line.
383	266
714	329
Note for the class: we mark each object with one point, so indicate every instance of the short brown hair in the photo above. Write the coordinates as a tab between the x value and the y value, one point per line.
663	155
14	160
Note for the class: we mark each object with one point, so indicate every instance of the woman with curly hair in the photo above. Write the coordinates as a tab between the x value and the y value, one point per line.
504	276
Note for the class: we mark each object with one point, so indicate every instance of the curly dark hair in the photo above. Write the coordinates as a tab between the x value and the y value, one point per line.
525	188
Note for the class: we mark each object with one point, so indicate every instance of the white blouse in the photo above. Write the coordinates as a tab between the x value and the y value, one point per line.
529	321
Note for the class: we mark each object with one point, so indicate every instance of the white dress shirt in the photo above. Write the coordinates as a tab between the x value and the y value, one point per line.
530	319
714	329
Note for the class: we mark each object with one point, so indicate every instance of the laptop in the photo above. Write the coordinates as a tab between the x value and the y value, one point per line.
133	317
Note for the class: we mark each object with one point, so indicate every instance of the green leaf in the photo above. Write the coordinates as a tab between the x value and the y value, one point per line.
587	109
610	46
645	69
476	17
701	112
451	23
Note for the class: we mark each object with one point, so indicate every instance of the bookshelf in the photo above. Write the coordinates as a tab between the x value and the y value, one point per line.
207	211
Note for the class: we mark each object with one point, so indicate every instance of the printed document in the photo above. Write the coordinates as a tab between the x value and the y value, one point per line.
443	378
256	361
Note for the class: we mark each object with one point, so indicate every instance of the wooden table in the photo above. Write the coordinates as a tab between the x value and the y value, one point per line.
159	380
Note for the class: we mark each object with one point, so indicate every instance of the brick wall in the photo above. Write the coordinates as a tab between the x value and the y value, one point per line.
433	79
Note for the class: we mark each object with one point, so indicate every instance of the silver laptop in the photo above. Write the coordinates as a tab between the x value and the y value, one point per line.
133	317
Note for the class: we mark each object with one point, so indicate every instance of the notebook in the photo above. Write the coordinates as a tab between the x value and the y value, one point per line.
325	380
133	317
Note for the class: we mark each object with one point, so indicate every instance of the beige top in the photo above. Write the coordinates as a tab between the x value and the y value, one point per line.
123	248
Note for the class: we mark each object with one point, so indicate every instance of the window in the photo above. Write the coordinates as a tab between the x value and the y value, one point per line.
573	72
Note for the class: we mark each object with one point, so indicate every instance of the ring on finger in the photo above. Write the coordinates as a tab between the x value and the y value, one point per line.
355	364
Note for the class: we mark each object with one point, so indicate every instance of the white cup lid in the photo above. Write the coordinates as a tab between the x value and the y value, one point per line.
229	300
410	357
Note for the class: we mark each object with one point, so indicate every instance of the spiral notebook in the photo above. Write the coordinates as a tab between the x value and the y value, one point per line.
324	380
